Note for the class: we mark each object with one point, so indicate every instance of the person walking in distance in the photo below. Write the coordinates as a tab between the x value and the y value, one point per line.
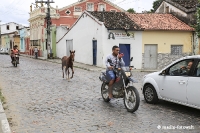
36	52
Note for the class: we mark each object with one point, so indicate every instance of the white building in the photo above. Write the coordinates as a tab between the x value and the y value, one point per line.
10	27
93	39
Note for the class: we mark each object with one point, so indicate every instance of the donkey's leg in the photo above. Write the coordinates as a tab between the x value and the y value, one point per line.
63	71
72	72
68	73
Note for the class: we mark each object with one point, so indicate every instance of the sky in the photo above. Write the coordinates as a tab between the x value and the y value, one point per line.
18	10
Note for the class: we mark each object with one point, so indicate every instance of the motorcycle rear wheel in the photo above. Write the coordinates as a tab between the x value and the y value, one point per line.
104	92
132	100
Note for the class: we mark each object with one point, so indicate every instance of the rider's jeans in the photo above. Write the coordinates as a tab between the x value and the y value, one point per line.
111	74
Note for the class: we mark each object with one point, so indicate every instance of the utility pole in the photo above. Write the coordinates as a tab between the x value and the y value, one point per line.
48	21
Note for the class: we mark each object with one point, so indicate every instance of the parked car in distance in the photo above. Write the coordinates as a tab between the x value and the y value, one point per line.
3	50
179	82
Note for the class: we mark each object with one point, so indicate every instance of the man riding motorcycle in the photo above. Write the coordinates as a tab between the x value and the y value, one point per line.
117	62
13	52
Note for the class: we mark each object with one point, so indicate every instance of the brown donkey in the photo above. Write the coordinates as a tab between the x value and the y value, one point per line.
67	62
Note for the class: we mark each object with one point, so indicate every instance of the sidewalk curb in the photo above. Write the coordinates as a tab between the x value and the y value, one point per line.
84	68
88	69
5	128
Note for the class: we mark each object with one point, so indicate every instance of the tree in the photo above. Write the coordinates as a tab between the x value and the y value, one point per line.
156	3
131	10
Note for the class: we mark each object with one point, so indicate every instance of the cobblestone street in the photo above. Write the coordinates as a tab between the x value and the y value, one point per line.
39	100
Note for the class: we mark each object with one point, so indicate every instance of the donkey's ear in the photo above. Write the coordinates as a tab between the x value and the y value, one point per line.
74	51
70	51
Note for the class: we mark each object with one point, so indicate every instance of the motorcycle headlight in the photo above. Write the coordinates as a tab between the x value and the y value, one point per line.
128	74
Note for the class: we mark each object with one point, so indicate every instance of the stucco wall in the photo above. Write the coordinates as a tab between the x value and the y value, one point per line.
82	34
71	18
135	46
87	30
162	9
12	27
165	39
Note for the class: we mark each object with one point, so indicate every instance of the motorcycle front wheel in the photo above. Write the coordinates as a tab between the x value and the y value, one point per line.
132	99
15	63
104	92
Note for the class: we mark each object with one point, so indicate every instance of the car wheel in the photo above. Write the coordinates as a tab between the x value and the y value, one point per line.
150	94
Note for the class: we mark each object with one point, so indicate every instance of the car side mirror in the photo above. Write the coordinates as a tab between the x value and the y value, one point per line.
131	59
163	73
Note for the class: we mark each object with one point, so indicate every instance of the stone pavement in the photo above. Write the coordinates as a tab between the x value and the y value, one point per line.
40	101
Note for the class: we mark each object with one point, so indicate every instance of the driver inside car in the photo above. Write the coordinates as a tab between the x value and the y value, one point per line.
116	62
186	69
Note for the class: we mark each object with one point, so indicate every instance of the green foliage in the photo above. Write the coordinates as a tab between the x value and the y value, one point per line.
2	97
197	26
131	10
156	3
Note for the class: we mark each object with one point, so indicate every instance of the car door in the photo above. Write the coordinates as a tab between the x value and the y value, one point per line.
193	87
173	85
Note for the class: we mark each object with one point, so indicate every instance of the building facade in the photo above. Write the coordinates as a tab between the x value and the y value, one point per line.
95	39
8	30
65	17
164	39
185	10
153	40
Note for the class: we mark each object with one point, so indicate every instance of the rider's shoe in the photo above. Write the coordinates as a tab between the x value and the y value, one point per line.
112	99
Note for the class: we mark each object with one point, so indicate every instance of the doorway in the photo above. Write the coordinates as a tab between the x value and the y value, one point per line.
125	49
94	43
69	46
150	56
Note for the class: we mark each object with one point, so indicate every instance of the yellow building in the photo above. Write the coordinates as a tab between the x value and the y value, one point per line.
3	40
164	39
16	40
9	40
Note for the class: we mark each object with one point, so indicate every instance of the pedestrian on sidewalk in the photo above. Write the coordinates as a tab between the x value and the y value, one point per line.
36	52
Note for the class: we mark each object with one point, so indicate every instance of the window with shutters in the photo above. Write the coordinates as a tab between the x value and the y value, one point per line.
90	6
101	7
176	49
78	9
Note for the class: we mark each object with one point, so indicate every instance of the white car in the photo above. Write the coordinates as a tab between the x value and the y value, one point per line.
179	82
3	50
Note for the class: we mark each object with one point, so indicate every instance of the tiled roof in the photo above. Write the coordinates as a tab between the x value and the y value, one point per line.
184	5
154	21
115	20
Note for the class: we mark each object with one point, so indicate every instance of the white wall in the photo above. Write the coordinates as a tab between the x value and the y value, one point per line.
87	30
60	31
12	27
171	8
135	46
83	34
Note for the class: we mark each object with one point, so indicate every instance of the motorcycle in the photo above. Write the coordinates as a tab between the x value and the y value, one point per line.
122	87
15	60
